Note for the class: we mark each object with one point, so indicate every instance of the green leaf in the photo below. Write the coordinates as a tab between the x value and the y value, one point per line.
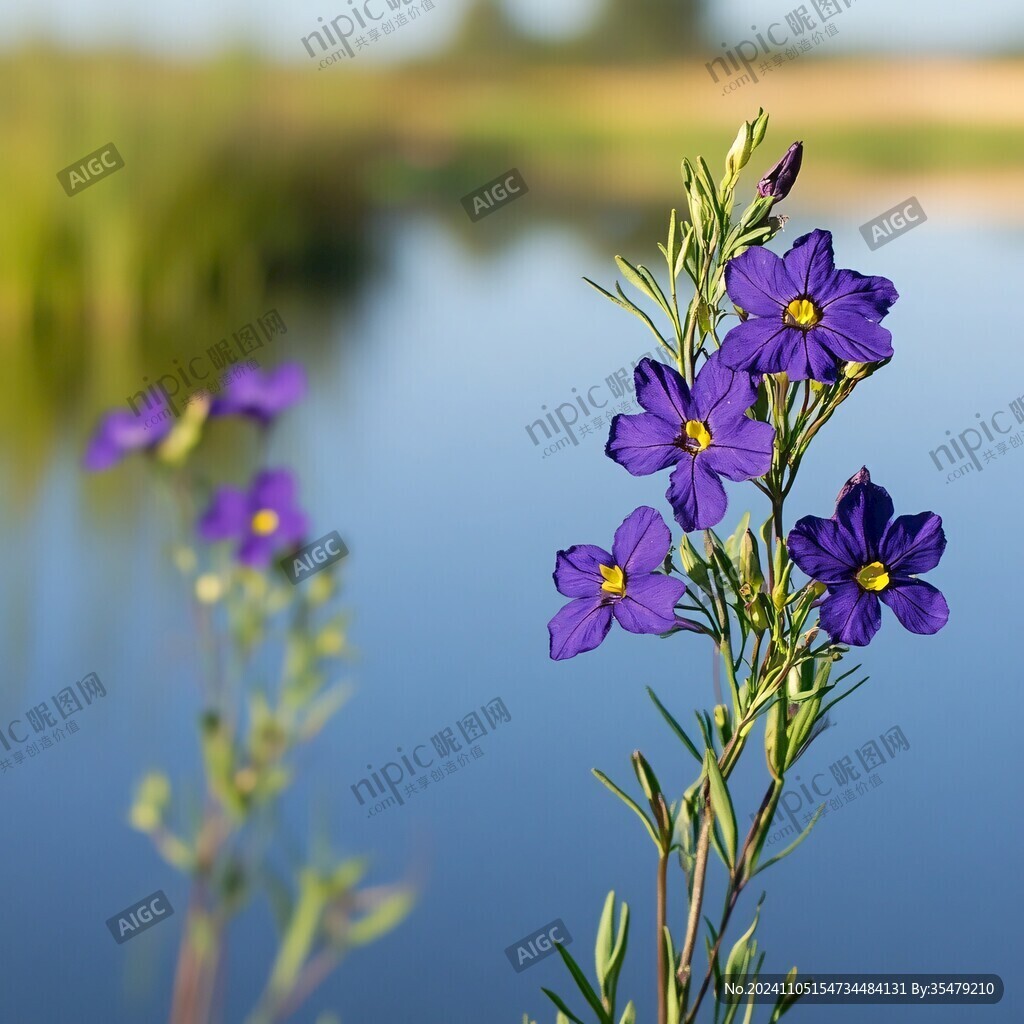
721	803
605	940
635	278
618	957
388	914
629	802
561	1006
676	727
672	994
583	985
793	845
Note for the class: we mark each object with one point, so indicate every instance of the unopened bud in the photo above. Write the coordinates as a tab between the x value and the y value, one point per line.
693	565
857	371
740	152
781	178
750	562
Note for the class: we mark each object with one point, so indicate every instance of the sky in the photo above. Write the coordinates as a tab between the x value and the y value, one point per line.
195	27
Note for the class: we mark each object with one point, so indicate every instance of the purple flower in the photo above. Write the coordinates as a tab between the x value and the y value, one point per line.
622	584
265	520
121	432
808	316
703	433
781	178
862	555
262	396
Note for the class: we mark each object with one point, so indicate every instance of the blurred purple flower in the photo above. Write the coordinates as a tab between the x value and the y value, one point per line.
121	432
260	395
265	520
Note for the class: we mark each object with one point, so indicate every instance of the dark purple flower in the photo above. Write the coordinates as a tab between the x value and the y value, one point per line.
781	178
862	555
808	316
121	432
265	520
704	434
622	584
262	396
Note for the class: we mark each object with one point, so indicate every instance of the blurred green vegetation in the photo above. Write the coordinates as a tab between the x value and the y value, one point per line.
251	185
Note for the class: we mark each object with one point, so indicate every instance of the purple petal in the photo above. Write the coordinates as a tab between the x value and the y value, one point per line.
649	604
293	526
851	337
273	489
660	390
821	550
742	449
576	570
260	395
696	495
850	614
641	542
869	297
913	544
120	432
757	345
757	282
643	443
810	263
918	605
719	390
227	515
865	510
256	550
578	627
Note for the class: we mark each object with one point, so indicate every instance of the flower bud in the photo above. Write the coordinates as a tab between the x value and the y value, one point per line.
693	564
781	178
759	127
857	371
757	613
646	777
740	152
750	562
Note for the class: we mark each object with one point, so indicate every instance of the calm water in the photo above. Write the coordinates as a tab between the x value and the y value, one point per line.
414	446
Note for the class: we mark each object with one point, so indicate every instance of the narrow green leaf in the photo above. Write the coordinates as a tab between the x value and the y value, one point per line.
605	941
583	985
561	1006
629	802
635	278
672	994
843	696
721	802
618	957
676	727
793	845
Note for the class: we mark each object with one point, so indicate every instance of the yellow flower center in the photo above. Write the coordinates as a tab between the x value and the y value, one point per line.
801	313
265	521
873	577
698	434
614	580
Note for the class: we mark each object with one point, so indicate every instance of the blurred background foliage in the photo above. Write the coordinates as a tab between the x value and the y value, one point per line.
250	184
